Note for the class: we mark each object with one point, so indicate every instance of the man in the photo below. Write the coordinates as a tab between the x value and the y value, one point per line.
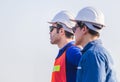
66	62
96	64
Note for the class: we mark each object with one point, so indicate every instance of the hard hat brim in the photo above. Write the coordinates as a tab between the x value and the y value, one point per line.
51	22
88	22
73	20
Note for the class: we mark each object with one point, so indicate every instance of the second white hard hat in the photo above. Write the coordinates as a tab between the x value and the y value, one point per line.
92	15
64	18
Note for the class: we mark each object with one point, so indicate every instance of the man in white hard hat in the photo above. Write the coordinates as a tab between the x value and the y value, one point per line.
96	64
66	62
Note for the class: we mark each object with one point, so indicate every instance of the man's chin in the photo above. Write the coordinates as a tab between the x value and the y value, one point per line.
52	42
77	43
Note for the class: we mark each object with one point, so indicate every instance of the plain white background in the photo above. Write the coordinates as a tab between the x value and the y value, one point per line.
26	54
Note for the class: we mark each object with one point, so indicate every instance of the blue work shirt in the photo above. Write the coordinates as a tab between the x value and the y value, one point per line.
95	64
73	55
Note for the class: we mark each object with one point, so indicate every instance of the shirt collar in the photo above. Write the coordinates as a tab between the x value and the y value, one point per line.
67	45
90	44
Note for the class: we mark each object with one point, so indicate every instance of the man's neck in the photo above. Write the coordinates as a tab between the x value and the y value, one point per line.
88	39
64	42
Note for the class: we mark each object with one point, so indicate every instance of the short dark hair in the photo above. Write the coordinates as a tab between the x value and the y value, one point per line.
68	34
58	27
92	32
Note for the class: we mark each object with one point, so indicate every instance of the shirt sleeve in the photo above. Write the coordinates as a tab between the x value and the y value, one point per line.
73	55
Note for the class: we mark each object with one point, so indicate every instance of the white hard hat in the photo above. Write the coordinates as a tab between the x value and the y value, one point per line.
91	15
64	18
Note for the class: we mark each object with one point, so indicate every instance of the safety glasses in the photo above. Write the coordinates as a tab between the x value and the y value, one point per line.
78	25
58	27
51	28
74	28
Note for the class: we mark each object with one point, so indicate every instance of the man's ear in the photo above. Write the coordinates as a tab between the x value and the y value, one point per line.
85	29
61	30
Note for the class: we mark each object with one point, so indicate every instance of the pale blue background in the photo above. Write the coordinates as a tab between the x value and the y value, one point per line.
26	54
